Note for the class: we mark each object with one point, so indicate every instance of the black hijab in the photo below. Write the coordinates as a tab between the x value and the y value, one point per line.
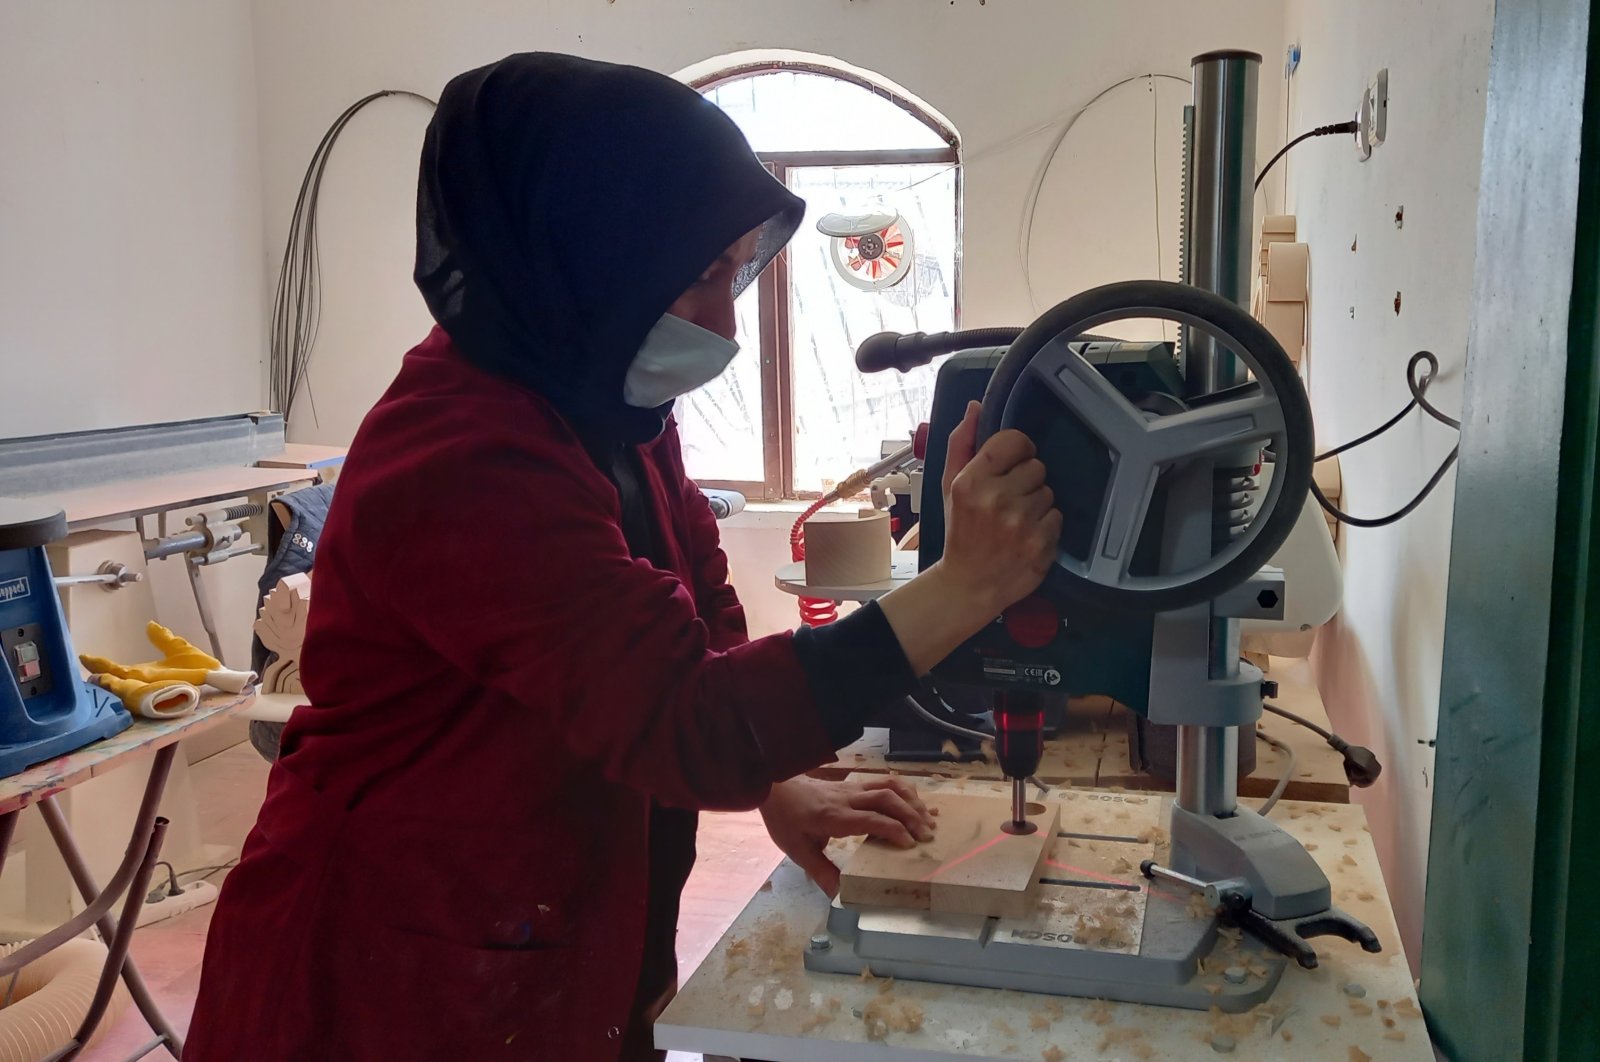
563	205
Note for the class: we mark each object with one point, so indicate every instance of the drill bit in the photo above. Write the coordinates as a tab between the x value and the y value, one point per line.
1019	802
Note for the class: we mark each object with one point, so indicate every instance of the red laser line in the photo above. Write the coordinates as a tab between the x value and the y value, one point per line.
985	846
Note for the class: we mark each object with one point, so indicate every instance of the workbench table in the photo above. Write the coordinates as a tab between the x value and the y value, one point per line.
39	786
761	1002
134	498
1092	750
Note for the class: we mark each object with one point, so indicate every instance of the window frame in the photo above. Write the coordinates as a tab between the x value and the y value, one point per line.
772	287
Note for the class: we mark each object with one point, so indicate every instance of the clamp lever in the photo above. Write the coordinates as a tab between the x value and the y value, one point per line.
1231	900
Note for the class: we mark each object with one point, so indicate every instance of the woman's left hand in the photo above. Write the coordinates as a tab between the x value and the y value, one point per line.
803	814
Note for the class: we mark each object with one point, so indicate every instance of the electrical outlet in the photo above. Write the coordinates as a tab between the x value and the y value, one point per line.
1291	61
1372	117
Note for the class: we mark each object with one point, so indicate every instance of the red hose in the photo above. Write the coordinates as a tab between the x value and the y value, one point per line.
814	611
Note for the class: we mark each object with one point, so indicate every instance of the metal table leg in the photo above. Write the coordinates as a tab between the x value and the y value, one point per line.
8	827
117	946
90	891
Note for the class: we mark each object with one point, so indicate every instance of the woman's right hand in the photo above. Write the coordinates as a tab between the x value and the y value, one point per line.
1001	523
1001	533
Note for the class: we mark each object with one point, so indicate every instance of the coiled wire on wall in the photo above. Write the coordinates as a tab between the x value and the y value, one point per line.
1419	400
297	303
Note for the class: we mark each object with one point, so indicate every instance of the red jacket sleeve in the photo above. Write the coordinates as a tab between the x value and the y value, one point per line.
501	550
714	596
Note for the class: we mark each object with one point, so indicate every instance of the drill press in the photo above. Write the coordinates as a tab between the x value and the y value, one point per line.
1151	453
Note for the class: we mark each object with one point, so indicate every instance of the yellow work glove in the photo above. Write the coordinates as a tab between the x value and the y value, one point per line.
167	699
180	662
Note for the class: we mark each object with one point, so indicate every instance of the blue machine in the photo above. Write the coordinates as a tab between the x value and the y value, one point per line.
46	710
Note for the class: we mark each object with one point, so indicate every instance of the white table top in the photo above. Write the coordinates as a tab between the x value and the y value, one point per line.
791	579
764	1004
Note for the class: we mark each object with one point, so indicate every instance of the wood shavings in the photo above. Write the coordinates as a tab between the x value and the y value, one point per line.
1357	1007
1056	1009
1383	1004
1350	842
1287	1035
1119	1034
987	751
1152	835
1003	1027
950	749
766	886
1038	1021
1100	1013
1311	846
1332	1019
1122	866
1214	988
885	986
734	959
766	950
1358	1055
1388	1022
1052	1054
1348	860
1396	1035
1407	1009
1364	896
1335	827
885	1014
1197	907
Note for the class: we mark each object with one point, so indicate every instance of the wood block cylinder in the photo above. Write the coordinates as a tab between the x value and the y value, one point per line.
845	550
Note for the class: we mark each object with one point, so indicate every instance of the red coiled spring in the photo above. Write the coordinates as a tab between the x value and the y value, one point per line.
814	612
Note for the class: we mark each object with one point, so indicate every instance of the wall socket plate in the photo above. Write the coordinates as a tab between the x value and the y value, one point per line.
1372	117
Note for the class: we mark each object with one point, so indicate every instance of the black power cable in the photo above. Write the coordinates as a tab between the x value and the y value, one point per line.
1419	400
1322	130
296	304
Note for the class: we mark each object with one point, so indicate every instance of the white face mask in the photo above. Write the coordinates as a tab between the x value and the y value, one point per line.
675	358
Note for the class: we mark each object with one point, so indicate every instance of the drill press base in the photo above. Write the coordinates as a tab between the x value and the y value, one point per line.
1159	965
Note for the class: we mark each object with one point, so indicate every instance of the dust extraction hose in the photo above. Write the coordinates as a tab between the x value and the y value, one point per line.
51	998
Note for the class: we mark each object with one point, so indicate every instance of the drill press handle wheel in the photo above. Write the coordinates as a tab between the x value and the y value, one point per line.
1270	411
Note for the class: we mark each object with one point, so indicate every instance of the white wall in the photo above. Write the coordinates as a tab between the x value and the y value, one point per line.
1379	665
995	70
131	285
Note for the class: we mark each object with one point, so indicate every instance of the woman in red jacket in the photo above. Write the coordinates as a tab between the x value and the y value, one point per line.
527	667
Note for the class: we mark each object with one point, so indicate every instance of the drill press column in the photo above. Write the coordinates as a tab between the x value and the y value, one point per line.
1218	222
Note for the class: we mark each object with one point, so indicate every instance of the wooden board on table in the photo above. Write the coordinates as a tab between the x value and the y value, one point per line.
972	865
143	738
305	455
138	497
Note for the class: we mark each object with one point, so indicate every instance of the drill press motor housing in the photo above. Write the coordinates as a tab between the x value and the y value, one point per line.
46	709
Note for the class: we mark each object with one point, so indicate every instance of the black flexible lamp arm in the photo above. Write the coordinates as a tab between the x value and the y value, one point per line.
904	352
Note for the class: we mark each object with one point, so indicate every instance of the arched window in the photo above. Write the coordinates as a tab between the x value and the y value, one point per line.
792	415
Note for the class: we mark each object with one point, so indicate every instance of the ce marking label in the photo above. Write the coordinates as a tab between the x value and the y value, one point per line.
1048	675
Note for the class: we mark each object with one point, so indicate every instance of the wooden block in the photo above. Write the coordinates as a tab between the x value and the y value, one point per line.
1278	225
1288	265
1287	323
1326	474
971	866
281	626
843	550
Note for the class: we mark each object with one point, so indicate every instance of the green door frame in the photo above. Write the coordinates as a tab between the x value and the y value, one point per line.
1509	944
